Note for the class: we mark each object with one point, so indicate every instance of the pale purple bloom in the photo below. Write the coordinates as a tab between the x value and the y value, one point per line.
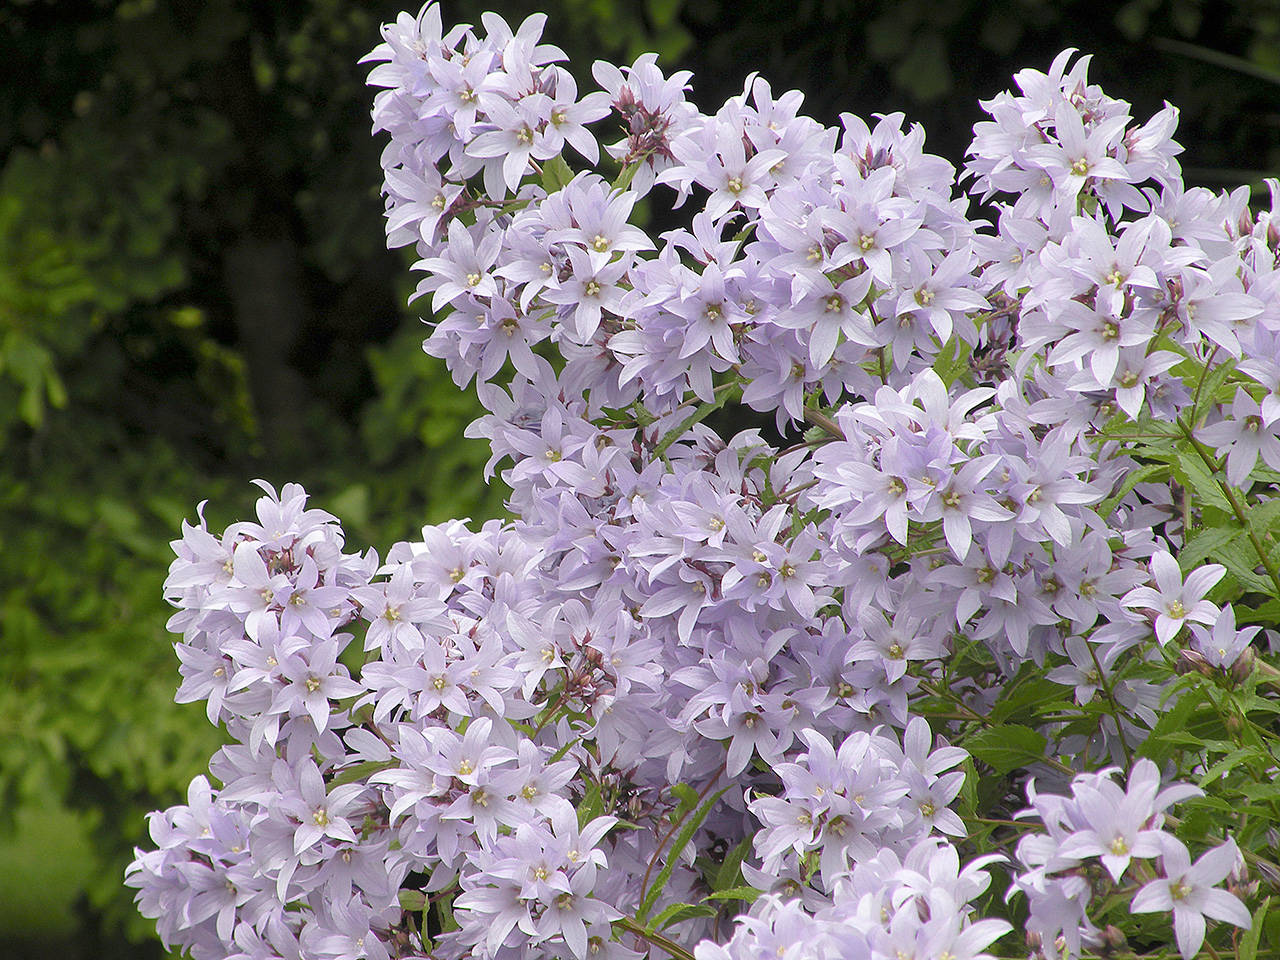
1190	892
1242	436
1172	601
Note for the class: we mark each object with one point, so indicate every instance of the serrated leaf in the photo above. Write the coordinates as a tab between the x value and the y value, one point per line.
1228	763
953	362
1240	559
1195	476
1034	695
1264	516
1204	544
1172	727
1268	612
1006	747
749	894
1261	792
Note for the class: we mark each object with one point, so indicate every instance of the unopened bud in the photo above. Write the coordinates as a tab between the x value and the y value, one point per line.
1239	883
1269	872
1234	724
1189	661
1113	937
1243	667
1034	941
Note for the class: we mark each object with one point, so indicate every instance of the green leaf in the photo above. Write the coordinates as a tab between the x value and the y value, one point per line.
730	872
1151	471
1260	792
672	856
628	174
1206	393
556	174
1232	760
687	796
953	362
1195	476
1204	544
359	772
1241	559
445	908
704	410
1264	516
592	804
1006	747
678	912
748	894
1174	726
1026	698
1267	613
413	900
1248	949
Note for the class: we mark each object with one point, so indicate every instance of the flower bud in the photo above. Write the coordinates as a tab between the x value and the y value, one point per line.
1189	660
1245	223
1113	938
1234	724
1243	667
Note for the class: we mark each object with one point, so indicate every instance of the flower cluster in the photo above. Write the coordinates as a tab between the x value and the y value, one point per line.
1120	829
699	671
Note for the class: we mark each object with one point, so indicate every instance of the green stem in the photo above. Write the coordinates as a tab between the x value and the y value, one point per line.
1236	506
820	419
1115	706
656	939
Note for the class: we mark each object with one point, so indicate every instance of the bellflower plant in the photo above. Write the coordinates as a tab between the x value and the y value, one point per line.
863	682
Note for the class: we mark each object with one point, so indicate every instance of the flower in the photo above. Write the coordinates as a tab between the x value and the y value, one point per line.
1173	602
1189	891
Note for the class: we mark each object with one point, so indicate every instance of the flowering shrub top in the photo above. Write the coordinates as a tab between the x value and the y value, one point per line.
810	685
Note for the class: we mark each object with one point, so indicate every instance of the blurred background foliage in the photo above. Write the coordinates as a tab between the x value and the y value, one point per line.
194	292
